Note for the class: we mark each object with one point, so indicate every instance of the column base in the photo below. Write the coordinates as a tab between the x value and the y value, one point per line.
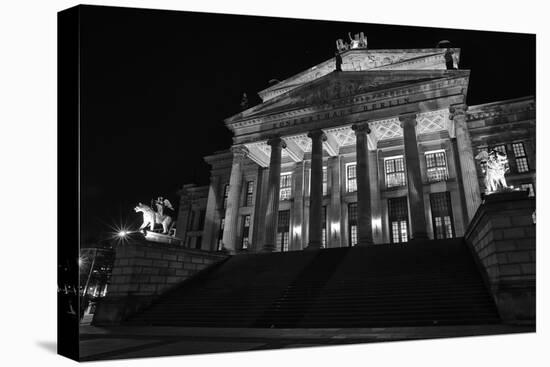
313	246
419	237
365	242
268	248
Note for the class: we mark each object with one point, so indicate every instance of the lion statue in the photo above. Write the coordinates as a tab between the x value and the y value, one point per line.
496	168
150	218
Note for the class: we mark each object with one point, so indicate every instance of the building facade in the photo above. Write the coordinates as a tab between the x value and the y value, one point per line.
380	152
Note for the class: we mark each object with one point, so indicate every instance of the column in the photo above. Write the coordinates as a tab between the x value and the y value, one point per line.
273	186
375	197
467	163
296	242
211	226
414	177
259	209
335	207
316	190
364	216
233	200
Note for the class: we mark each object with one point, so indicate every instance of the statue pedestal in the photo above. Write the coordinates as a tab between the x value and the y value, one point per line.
502	237
163	238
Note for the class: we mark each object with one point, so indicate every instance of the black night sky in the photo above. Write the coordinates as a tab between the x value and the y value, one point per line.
156	86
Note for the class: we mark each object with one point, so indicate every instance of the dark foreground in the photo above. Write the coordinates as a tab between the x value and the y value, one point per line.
97	343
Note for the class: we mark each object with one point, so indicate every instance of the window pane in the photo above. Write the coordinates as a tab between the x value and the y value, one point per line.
522	165
519	150
285	192
395	172
436	164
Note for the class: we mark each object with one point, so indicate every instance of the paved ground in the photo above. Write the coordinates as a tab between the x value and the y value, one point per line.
98	343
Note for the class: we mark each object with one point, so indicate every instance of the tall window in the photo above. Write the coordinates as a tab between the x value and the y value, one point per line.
395	171
285	191
529	187
325	179
324	226
442	215
225	195
283	228
436	164
249	193
351	175
220	234
352	224
521	157
399	219
245	232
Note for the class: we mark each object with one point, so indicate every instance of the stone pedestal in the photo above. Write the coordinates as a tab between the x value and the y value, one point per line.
143	271
502	238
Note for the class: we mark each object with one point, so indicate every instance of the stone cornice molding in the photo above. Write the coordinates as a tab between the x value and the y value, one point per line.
341	106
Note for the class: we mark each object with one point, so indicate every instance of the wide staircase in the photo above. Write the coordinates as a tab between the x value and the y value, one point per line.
413	284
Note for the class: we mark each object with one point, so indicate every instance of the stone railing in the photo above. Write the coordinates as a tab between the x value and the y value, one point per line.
502	238
143	271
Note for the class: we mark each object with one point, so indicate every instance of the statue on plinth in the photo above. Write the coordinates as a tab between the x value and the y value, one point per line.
163	215
494	166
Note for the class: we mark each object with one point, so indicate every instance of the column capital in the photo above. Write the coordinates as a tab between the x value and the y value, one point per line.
240	152
276	141
408	118
457	110
316	134
361	128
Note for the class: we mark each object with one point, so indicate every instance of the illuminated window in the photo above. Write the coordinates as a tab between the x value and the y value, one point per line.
399	219
283	230
436	164
521	157
351	174
246	230
529	187
285	191
442	215
225	195
395	171
249	193
352	224
220	235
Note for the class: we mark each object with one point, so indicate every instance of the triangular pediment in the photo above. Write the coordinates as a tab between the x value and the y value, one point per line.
340	85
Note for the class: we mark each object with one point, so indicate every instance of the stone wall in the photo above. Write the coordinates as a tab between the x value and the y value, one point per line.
143	271
502	236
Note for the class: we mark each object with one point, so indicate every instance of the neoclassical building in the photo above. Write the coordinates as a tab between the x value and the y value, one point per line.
380	152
